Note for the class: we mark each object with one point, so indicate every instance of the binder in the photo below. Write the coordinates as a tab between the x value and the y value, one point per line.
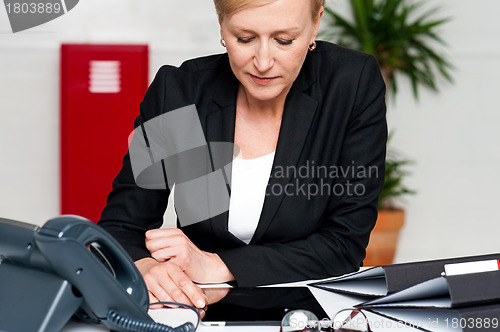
446	292
388	279
467	319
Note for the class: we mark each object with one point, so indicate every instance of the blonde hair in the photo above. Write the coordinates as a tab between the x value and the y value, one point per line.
229	7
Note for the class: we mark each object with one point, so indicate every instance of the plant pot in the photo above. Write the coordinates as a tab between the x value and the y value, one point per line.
384	238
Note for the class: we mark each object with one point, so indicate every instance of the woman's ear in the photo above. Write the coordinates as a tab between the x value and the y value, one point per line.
221	29
222	41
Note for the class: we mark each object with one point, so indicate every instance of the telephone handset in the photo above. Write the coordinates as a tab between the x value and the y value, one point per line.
78	265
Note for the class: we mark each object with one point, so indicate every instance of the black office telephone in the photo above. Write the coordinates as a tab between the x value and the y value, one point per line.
68	266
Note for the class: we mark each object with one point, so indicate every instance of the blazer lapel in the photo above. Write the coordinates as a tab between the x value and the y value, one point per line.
220	124
297	118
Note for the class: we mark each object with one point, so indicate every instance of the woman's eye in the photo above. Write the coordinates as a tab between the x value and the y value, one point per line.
284	41
244	40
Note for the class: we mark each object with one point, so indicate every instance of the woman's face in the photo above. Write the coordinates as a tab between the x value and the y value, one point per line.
267	46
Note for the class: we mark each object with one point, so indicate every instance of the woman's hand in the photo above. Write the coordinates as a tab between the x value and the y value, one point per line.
175	246
166	282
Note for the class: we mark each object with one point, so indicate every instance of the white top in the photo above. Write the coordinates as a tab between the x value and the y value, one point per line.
249	179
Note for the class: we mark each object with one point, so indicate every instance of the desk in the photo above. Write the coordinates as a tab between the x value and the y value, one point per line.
331	303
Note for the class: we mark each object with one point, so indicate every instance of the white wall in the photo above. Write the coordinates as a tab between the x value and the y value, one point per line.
29	83
452	136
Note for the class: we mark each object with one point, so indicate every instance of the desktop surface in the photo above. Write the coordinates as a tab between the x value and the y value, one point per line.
330	302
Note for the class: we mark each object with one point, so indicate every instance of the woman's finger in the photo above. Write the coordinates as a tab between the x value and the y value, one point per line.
169	283
192	291
163	232
164	254
158	243
153	283
153	299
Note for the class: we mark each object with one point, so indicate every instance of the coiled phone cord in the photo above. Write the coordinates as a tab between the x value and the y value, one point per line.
133	324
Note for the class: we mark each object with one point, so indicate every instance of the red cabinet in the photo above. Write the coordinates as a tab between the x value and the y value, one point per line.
101	88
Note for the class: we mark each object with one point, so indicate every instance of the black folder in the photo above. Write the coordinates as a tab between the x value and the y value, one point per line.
388	279
467	302
446	292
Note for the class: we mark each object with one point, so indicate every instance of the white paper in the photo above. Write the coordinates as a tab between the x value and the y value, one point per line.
367	282
372	272
373	287
426	291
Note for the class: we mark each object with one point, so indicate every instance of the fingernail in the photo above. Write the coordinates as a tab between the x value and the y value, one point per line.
200	304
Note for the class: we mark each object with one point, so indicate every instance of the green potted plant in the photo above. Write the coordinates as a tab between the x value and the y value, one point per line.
404	39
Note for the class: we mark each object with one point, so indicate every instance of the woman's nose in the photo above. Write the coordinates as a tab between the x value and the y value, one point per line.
263	59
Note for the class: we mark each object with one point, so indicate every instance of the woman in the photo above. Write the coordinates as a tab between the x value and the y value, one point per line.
309	120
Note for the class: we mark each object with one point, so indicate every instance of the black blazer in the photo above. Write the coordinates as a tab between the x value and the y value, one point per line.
333	126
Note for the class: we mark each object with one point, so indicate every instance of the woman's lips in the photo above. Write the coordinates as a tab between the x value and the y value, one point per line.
262	80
